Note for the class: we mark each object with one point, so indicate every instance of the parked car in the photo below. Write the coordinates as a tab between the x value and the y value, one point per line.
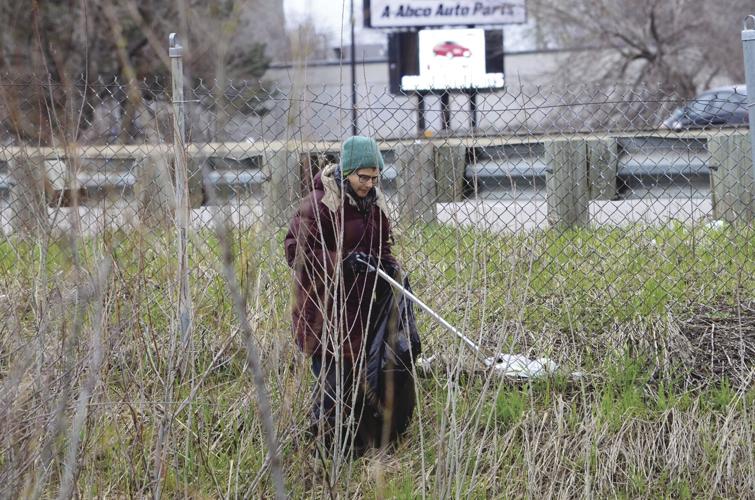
451	49
723	106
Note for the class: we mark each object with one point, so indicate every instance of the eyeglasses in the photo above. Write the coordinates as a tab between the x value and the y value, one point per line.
364	179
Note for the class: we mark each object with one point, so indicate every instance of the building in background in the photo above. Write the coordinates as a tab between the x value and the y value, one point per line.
264	21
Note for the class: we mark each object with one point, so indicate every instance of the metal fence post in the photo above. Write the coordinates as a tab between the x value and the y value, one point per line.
175	52
748	47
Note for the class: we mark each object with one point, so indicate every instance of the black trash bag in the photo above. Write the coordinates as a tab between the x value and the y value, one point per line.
393	346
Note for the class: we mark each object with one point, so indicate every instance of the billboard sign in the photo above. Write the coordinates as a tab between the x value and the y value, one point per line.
451	59
414	13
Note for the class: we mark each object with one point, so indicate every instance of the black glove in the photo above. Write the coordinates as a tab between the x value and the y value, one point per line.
389	267
360	262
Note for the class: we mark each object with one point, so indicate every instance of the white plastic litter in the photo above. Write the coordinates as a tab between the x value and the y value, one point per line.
424	364
515	366
518	366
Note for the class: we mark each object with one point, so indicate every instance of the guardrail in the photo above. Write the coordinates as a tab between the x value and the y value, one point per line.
568	171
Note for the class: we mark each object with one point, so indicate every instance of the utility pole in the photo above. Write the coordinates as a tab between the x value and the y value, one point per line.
354	126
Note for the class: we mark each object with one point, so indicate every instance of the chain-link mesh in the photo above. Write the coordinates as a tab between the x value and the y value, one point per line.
586	164
560	171
560	212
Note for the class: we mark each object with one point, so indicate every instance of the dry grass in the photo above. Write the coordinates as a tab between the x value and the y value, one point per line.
96	399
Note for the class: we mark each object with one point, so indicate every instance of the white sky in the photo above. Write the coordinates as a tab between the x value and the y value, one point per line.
323	12
331	16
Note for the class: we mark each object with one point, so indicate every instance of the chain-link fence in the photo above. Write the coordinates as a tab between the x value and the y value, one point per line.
535	217
580	200
100	157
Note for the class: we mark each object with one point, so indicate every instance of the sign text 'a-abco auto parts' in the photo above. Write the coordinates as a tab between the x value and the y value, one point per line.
400	14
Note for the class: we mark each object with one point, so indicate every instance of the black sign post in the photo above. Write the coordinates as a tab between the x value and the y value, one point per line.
354	124
421	126
473	109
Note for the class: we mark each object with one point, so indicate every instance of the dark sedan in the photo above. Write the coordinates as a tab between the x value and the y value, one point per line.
723	106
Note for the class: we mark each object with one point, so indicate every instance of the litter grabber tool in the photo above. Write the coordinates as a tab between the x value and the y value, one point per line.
507	365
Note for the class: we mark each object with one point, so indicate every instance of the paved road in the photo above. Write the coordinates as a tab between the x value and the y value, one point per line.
529	215
516	215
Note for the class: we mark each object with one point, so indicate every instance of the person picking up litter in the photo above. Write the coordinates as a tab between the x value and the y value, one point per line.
360	335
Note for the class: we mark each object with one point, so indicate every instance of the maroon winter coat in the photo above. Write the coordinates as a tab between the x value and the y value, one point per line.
331	303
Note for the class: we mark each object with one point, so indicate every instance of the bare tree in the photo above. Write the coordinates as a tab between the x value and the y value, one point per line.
67	44
67	38
674	46
308	41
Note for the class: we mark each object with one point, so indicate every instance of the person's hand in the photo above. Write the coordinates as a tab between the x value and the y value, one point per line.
360	262
390	267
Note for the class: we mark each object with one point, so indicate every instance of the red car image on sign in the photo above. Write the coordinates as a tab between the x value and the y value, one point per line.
451	49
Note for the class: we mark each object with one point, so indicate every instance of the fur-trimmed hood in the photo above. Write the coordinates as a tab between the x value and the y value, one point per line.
333	194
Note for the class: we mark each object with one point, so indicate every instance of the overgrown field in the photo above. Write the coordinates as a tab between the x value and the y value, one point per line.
101	396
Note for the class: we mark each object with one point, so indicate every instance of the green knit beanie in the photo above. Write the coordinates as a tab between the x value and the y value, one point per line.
358	152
